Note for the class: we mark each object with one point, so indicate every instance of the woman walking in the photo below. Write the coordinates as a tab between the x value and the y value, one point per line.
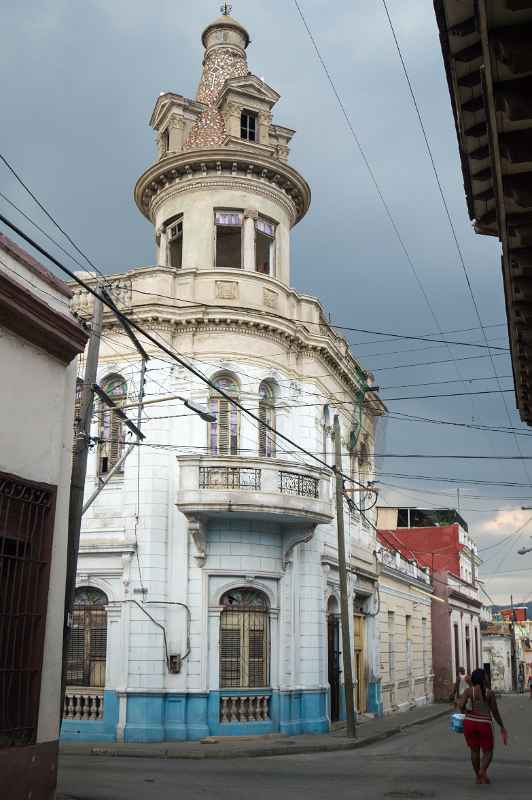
479	705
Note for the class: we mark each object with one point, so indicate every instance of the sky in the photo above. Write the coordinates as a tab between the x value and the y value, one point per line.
79	82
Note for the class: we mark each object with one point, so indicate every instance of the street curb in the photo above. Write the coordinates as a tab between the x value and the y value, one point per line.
257	752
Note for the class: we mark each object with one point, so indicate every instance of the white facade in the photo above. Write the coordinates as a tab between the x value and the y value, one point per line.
497	652
405	632
39	340
203	514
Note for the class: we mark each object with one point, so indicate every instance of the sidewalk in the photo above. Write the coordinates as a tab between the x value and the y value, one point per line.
368	732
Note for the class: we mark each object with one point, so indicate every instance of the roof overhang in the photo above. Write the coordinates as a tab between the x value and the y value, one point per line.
487	50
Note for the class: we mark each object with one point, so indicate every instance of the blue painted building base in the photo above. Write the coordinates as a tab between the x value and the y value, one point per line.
103	730
188	717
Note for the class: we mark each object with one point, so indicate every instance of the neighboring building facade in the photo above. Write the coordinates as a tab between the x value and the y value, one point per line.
439	540
39	342
208	588
404	630
487	51
497	655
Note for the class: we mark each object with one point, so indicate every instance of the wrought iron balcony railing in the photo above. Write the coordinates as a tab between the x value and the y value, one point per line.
298	484
224	477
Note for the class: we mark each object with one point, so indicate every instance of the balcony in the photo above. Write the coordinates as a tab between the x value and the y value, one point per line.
271	489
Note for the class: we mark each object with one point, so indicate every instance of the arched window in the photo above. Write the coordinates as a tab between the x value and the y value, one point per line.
267	416
244	640
224	433
111	433
88	639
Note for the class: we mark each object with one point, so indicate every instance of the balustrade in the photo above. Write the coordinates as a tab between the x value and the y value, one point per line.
83	705
245	708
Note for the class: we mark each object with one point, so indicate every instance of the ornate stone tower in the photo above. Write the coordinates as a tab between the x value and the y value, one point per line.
221	194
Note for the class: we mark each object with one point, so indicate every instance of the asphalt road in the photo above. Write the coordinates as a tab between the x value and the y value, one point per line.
424	762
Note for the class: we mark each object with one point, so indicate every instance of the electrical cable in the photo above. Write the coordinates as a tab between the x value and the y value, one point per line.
451	225
172	354
50	217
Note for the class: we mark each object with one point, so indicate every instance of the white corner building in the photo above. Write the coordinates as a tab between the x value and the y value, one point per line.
208	590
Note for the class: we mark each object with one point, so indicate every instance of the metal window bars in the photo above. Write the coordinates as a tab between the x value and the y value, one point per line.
27	513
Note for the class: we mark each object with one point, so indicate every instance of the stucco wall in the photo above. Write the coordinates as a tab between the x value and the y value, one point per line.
37	409
409	682
497	652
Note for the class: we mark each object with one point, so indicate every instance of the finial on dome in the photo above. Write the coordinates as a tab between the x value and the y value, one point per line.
226	9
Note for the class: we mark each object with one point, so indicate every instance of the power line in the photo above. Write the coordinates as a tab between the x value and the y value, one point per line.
172	354
451	224
401	417
50	217
41	230
324	323
434	363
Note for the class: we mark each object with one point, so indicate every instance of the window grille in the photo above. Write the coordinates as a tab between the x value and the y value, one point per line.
244	640
248	126
88	639
26	532
267	417
224	432
111	434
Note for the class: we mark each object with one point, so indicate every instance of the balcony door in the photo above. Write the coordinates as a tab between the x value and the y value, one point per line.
88	639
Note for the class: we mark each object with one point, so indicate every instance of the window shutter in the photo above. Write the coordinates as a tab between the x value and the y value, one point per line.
230	653
263	416
76	650
115	446
224	434
257	652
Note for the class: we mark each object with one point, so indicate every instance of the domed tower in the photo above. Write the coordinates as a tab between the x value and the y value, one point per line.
221	194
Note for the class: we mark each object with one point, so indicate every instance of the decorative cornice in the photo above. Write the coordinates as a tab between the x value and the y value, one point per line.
202	323
250	171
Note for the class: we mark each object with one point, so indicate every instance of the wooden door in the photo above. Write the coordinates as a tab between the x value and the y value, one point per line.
360	663
333	642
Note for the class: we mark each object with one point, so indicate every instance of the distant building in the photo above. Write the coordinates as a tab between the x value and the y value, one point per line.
439	540
487	52
39	342
497	655
404	628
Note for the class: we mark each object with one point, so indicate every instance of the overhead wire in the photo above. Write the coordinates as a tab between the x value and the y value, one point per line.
451	224
49	216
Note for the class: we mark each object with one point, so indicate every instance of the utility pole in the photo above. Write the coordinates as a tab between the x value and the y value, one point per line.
79	470
342	569
513	646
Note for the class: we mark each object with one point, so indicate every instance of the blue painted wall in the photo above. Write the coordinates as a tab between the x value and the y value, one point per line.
159	717
94	730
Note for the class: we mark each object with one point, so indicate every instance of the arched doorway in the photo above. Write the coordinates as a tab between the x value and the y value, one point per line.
88	639
333	656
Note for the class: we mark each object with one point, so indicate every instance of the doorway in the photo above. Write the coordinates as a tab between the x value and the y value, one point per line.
360	664
333	656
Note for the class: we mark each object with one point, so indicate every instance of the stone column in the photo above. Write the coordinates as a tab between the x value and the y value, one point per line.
265	120
250	215
162	247
176	133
